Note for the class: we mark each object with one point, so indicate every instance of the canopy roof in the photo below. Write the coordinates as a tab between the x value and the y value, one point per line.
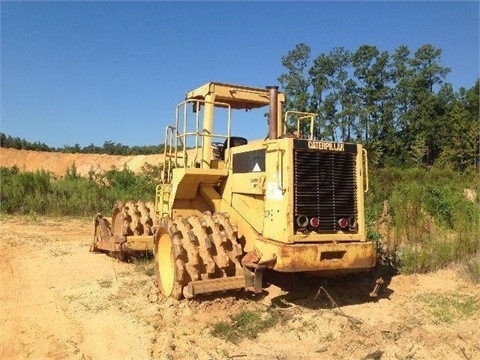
237	96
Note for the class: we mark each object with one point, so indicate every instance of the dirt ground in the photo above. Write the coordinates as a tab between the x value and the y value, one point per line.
58	301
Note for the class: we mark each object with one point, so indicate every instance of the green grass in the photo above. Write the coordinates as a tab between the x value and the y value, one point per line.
42	193
246	324
430	221
451	306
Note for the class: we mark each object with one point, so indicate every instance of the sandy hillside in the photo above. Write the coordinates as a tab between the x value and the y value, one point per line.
58	301
58	163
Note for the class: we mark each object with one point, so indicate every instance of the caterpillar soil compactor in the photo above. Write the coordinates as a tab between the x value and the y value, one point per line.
228	208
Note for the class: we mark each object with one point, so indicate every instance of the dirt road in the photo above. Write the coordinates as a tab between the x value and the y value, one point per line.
58	301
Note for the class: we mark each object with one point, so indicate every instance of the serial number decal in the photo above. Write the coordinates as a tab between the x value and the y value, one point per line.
321	145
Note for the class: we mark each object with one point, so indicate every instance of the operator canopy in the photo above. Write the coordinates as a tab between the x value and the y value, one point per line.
237	96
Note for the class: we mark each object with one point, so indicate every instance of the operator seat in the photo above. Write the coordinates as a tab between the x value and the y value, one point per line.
232	142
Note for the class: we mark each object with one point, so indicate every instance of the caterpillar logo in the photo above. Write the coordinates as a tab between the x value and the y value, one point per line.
321	145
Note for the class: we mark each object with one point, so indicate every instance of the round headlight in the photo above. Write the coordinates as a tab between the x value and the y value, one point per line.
302	221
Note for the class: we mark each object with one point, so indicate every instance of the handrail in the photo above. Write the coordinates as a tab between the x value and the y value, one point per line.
280	169
312	119
176	137
167	154
306	115
365	164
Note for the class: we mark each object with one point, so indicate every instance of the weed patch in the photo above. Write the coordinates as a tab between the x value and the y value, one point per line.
59	252
144	264
426	223
245	324
42	193
472	269
105	283
448	307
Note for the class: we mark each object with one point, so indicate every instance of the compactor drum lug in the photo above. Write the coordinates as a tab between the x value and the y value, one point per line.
197	255
129	230
101	232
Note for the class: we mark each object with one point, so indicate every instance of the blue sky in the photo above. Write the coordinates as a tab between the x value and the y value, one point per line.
87	72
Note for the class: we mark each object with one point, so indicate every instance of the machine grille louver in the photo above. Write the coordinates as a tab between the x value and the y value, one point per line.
325	187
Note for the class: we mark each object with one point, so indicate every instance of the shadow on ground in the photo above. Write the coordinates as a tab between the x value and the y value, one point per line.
326	293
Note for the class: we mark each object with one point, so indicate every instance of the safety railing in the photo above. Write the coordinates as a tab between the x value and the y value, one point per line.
184	143
301	116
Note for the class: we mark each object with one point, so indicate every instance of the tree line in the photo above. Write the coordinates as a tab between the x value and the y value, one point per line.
397	104
109	147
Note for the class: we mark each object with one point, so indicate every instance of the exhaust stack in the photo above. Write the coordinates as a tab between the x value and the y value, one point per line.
273	112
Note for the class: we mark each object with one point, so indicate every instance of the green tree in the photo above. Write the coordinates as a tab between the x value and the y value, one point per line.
398	105
320	103
428	75
296	82
461	148
343	93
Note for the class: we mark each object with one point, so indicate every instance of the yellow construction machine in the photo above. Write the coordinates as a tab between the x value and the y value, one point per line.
227	207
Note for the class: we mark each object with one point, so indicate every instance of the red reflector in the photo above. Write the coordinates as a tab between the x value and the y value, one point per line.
343	223
314	222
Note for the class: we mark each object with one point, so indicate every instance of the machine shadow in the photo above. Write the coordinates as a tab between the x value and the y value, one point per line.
314	292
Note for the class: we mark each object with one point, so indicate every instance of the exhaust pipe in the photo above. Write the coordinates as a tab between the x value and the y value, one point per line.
273	112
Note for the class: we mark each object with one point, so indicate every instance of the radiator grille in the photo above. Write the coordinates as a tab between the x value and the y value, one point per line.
325	187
